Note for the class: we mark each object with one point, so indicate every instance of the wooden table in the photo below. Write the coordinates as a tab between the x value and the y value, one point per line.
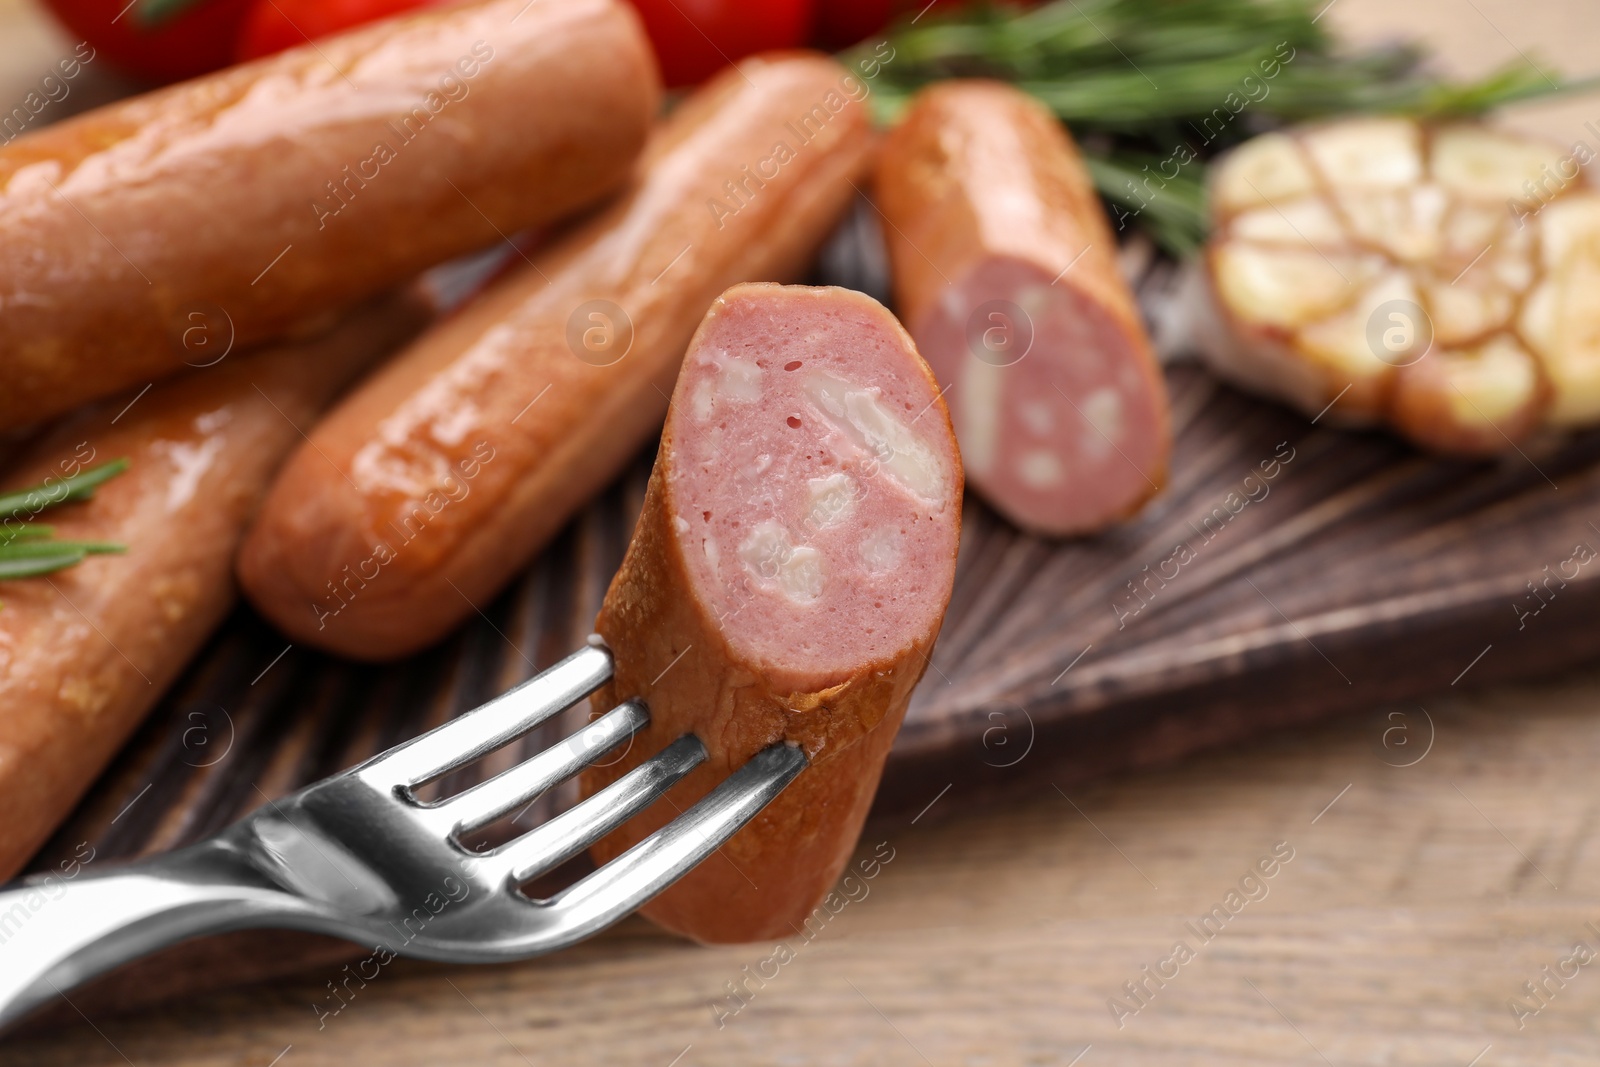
1418	900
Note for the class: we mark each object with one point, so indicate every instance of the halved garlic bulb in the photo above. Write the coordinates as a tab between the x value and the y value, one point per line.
1442	279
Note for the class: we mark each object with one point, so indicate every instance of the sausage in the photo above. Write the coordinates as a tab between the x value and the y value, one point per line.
1433	278
257	201
1004	269
785	584
86	651
430	487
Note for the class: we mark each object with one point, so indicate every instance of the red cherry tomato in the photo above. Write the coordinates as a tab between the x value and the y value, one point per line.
274	25
696	38
842	23
156	41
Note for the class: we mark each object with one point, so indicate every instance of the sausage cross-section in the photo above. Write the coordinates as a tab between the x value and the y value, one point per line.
785	584
1004	269
255	201
85	652
430	487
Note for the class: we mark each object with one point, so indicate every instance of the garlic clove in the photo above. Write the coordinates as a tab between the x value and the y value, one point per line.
1489	165
1284	288
1304	221
1467	310
1564	325
1343	347
1470	400
1405	223
1267	169
1367	152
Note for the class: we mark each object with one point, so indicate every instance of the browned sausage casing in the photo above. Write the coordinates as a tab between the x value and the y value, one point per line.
1005	272
427	489
785	584
86	651
252	201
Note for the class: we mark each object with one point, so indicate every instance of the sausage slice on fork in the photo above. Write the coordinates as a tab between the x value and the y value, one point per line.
786	582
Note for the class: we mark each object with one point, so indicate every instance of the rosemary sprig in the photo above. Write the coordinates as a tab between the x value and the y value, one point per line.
1174	215
1140	81
80	486
29	549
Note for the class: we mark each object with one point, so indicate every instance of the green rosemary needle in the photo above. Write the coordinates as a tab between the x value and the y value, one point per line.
29	549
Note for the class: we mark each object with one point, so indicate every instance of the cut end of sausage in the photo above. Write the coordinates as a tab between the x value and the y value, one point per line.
1005	266
785	585
1061	423
812	481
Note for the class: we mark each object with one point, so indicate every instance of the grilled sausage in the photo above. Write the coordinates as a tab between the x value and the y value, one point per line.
260	199
1004	270
785	583
432	485
85	652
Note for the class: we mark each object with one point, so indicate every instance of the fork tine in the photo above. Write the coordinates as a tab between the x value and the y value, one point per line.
508	716
660	859
487	801
585	823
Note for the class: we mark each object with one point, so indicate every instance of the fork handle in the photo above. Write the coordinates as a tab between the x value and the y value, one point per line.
56	933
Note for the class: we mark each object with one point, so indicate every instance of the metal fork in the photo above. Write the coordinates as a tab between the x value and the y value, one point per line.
358	856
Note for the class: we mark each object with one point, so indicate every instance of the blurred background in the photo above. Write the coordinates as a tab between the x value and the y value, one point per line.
1433	855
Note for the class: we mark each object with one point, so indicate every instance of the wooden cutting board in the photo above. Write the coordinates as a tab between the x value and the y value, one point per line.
1288	572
